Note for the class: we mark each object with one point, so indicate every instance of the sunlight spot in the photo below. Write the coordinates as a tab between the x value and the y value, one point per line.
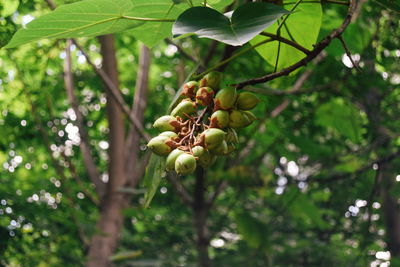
217	243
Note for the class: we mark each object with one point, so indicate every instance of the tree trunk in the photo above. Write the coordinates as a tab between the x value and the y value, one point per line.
200	211
109	224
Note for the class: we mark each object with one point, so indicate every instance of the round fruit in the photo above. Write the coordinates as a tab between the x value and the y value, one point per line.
212	79
238	119
170	163
190	89
221	149
225	98
185	108
204	96
247	100
169	134
185	164
213	137
167	123
159	145
219	119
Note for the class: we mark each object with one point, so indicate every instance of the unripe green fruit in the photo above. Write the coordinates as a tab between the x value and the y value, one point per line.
238	119
219	119
232	137
169	134
185	164
221	149
184	108
167	123
159	145
198	151
204	96
190	89
213	137
212	79
225	98
247	100
170	163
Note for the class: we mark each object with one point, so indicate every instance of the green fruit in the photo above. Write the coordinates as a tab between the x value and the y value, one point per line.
184	108
232	137
247	100
238	119
159	145
190	89
219	119
221	149
225	98
170	163
213	137
204	96
169	134
167	123
185	164
212	79
198	151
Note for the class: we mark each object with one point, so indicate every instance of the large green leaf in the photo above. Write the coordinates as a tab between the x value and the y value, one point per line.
8	7
84	18
153	177
302	27
341	116
246	22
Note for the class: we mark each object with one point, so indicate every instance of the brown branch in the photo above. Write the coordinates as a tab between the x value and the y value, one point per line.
180	189
286	41
85	143
348	53
318	48
139	105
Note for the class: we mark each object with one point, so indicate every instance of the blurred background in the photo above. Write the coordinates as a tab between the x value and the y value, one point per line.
316	181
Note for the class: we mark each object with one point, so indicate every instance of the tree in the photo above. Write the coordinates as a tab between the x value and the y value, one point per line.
330	128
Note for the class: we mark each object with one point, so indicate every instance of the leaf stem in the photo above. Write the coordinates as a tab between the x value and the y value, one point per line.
232	58
284	20
148	19
286	41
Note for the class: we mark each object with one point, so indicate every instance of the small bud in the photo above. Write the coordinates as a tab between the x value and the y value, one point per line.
167	123
213	137
169	134
185	164
190	89
204	96
159	145
247	101
219	119
170	163
221	149
238	119
184	108
212	79
225	98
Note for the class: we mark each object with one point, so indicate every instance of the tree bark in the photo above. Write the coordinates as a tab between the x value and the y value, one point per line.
109	224
200	211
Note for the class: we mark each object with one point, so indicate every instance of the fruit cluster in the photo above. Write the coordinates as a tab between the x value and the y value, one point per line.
201	126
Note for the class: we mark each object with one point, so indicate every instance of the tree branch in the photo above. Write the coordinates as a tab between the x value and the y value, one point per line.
314	53
348	53
286	41
85	143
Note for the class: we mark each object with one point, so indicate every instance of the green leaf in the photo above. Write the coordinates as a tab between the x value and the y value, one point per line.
341	116
153	177
8	7
84	18
253	230
246	22
150	33
302	27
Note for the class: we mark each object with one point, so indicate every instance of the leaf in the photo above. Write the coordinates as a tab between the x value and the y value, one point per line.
154	173
302	27
341	116
150	33
84	18
253	230
246	22
8	7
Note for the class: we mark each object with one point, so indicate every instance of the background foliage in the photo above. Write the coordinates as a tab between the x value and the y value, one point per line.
303	191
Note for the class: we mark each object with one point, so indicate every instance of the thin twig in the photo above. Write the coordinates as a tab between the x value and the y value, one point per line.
318	48
287	41
348	53
183	52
